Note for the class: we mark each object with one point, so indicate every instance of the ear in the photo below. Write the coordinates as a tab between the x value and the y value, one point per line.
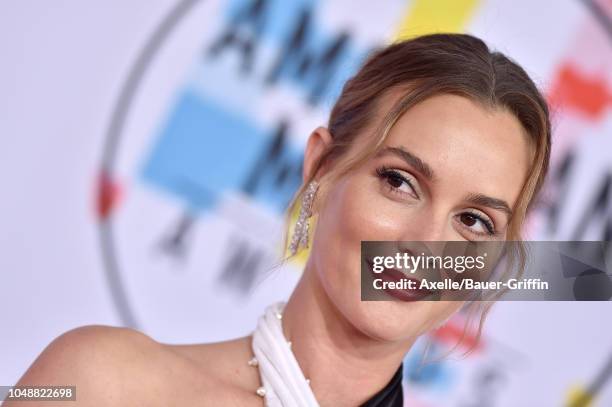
318	142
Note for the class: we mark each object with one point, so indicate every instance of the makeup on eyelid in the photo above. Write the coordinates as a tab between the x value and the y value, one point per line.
386	173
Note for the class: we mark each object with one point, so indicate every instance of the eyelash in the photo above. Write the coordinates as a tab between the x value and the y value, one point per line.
486	222
388	173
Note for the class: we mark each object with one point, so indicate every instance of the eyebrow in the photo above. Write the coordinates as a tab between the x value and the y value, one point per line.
493	203
425	169
409	158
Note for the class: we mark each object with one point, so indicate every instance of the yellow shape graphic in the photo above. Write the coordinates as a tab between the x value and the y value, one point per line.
302	255
430	16
579	397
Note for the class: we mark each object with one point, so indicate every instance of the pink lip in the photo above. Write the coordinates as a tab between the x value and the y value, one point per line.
394	275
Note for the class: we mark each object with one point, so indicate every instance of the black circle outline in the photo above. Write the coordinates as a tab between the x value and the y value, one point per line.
117	121
122	106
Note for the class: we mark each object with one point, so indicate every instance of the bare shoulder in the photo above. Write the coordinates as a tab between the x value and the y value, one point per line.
115	366
108	365
226	365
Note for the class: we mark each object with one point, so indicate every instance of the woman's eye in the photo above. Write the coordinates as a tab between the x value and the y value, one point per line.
477	224
397	182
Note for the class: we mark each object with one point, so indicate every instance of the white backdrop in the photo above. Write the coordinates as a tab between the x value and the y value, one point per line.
158	267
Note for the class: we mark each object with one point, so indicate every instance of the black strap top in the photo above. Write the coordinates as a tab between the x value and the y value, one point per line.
391	395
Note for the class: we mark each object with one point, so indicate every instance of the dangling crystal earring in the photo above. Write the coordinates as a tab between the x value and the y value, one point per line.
300	233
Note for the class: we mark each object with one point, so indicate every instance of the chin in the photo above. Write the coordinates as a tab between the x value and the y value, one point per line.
393	321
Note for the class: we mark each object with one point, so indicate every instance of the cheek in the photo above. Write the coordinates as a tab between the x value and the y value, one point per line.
349	216
338	232
359	210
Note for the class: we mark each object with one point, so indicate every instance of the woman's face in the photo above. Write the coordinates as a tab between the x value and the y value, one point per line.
448	170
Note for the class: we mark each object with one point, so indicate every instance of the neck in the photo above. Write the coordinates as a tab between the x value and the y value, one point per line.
344	365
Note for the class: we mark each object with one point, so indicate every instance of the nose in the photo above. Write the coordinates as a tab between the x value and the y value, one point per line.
429	226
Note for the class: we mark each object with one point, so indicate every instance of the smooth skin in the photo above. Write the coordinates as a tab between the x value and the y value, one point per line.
349	349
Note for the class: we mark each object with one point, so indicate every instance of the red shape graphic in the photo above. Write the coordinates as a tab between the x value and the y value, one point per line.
452	332
589	96
108	196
